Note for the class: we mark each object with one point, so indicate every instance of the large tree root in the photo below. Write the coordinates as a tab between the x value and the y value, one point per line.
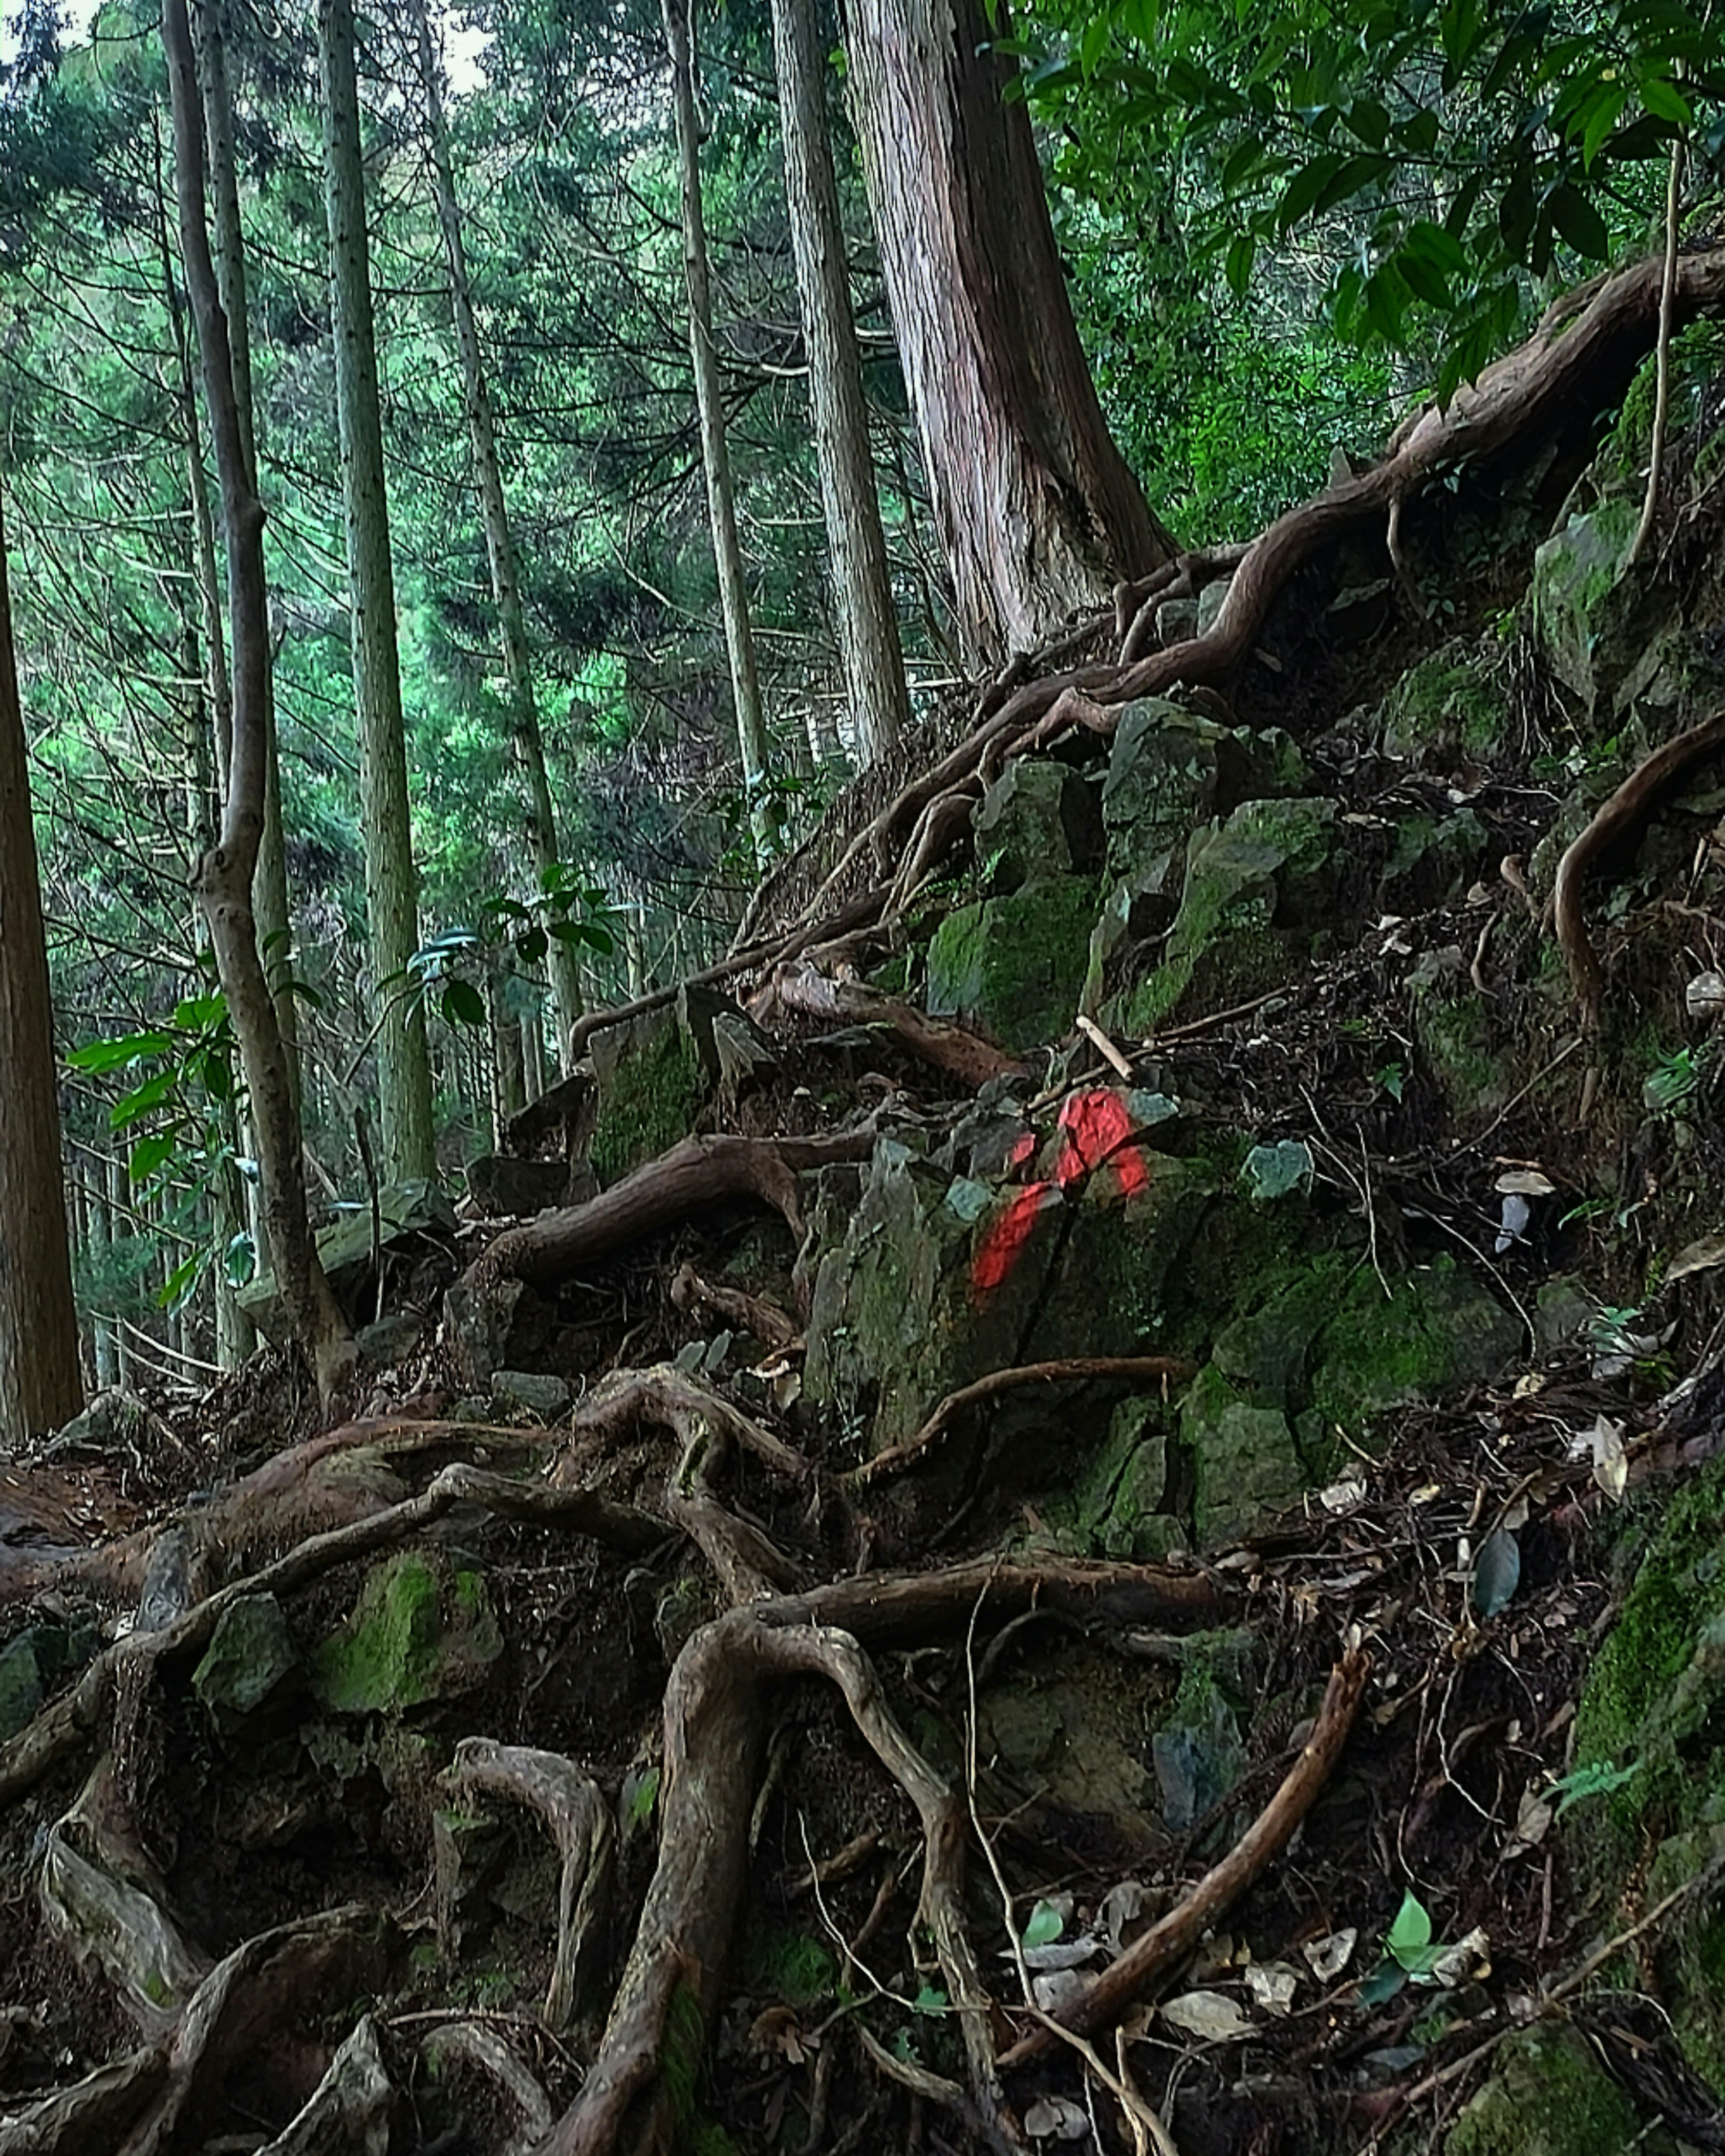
1614	821
953	1049
1075	1369
1166	1944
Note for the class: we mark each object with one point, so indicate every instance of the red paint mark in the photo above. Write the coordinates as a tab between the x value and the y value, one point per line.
1095	1131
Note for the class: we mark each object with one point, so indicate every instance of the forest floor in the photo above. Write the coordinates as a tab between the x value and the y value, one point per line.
630	1760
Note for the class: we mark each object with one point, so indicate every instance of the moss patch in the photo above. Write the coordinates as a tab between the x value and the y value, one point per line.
647	1103
1549	2096
1014	965
419	1631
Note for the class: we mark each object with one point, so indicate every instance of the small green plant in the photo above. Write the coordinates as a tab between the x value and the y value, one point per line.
1408	1951
513	932
1392	1079
1598	1779
1673	1081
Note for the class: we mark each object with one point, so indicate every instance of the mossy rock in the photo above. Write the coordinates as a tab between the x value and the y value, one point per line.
250	1660
1254	889
1012	966
1549	2095
1120	1508
1432	861
653	1084
1039	819
1602	622
1454	1034
1447	708
423	1629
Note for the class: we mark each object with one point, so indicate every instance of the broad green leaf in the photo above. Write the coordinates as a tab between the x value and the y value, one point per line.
181	1280
1271	1171
1666	101
99	1055
1384	1982
1307	184
150	1154
462	1003
1242	253
1411	1931
1598	1780
1045	1925
239	1261
1579	221
142	1100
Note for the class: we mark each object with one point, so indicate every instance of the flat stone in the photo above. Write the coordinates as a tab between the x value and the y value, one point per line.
529	1392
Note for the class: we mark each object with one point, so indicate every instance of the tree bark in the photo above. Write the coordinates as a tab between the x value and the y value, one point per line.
500	544
270	884
1038	514
714	453
40	1384
862	588
392	884
225	874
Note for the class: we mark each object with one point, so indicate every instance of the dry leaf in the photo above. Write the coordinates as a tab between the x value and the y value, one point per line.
777	2031
1208	2015
1056	1987
1697	1257
1272	1984
1056	2118
1342	1496
1464	1963
1532	1824
1603	1442
1326	1958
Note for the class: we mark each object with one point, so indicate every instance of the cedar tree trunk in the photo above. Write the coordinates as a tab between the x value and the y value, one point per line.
862	590
392	884
1037	512
40	1386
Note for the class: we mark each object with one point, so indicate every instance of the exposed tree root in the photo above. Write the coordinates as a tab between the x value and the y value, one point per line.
1073	1370
959	1053
472	2044
1149	1958
745	1313
1615	819
576	1815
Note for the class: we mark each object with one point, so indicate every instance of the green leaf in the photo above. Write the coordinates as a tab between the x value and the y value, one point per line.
1496	1572
1242	253
1579	221
1411	1934
1598	1780
1273	1171
1045	1925
1597	117
1666	101
150	1154
462	1003
930	1999
531	945
142	1100
100	1055
1419	132
198	1012
181	1280
239	1261
1307	184
1387	1979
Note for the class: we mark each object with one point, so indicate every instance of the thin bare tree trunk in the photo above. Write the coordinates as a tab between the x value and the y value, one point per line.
392	883
715	455
1037	512
41	1385
226	872
862	588
494	514
269	886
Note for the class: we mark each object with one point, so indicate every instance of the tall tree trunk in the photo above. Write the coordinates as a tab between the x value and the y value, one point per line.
226	872
269	886
862	588
493	515
41	1386
391	884
1037	512
714	453
209	735
120	1224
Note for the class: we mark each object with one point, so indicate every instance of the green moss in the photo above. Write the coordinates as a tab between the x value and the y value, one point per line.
1445	704
652	1101
413	1636
1242	879
1548	2096
1015	965
786	1964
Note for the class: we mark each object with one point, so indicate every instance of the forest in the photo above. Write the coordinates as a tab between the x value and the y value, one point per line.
862	940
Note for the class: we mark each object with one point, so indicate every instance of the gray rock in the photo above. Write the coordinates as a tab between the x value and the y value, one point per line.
503	1186
529	1392
250	1657
1039	819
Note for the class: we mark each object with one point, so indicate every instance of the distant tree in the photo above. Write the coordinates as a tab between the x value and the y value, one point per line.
226	873
40	1387
493	515
862	589
715	452
1037	512
392	883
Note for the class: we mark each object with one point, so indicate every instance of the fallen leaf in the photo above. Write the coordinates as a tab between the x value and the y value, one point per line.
1272	1984
1340	1496
1532	1824
1496	1572
1056	2118
1123	1904
1208	2015
1326	1958
1057	1987
1604	1443
1464	1963
1700	1256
